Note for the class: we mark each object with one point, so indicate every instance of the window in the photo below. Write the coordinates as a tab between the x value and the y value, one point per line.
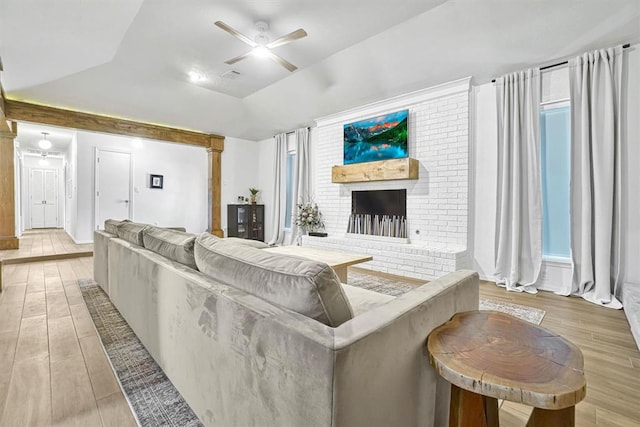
291	164
555	143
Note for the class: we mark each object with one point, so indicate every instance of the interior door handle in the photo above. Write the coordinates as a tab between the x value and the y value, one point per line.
126	201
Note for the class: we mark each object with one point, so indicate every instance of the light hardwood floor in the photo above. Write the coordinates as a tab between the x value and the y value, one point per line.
611	357
53	370
46	241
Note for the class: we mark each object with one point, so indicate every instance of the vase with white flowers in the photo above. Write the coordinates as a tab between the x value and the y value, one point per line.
309	219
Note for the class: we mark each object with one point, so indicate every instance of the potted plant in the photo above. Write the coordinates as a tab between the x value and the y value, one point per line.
254	195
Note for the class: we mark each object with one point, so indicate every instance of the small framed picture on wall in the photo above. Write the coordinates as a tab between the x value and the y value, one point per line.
156	181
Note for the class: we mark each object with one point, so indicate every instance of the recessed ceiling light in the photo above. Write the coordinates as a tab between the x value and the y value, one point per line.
44	143
196	77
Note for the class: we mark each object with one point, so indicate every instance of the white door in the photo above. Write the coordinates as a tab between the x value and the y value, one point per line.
113	186
44	198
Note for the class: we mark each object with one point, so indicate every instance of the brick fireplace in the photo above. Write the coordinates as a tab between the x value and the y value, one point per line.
436	203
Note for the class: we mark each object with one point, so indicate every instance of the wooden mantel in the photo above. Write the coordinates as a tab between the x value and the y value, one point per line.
382	170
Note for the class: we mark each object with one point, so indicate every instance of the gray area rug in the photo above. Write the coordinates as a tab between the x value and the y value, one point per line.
396	287
155	401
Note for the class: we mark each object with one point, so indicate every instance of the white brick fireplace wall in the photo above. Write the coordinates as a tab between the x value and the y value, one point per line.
437	203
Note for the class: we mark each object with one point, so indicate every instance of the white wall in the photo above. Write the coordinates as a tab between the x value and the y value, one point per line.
631	158
241	162
266	174
33	162
484	181
182	201
71	198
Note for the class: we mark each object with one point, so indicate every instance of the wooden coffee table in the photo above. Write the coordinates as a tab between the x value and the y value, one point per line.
338	261
488	355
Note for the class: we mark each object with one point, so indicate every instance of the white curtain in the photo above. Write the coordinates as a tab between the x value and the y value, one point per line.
279	190
301	191
595	85
519	210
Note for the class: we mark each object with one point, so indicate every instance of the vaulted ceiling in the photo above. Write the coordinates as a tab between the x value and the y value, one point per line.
131	58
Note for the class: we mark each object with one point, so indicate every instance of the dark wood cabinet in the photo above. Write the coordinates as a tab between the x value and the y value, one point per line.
246	221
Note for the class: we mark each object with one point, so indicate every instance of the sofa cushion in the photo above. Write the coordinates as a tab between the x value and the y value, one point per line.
247	242
132	232
111	225
308	287
173	244
363	300
253	243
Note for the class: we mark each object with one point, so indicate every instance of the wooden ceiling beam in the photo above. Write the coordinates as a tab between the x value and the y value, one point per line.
34	113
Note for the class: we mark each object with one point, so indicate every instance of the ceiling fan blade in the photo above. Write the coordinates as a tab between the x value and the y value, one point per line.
286	64
295	35
237	58
235	33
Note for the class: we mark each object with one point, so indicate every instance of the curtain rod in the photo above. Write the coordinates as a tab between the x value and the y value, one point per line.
624	46
293	131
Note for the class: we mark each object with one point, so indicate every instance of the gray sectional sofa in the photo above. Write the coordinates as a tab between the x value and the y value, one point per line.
251	338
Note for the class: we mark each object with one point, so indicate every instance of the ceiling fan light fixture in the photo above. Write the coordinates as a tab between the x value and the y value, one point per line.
261	52
44	143
261	45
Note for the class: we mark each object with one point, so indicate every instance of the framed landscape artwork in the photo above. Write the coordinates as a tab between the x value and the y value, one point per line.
377	138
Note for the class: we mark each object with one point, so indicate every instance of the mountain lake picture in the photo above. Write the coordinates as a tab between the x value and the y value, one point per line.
377	138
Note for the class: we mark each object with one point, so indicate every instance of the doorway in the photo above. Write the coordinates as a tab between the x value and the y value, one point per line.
113	199
43	198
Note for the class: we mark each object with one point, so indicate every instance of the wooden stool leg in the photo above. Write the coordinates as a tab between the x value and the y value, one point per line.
558	418
470	409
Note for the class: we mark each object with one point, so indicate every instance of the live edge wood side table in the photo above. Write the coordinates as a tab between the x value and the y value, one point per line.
488	355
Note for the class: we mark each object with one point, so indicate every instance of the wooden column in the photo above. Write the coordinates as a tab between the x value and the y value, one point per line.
216	149
8	239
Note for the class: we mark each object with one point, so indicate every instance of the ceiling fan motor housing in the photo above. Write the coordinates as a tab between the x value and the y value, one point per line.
261	26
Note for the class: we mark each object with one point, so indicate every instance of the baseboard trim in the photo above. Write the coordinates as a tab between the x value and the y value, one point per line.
78	242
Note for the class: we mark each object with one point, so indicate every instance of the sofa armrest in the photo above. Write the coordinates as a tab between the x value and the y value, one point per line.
382	372
100	258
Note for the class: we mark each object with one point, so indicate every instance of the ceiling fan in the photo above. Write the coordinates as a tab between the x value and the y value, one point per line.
261	46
